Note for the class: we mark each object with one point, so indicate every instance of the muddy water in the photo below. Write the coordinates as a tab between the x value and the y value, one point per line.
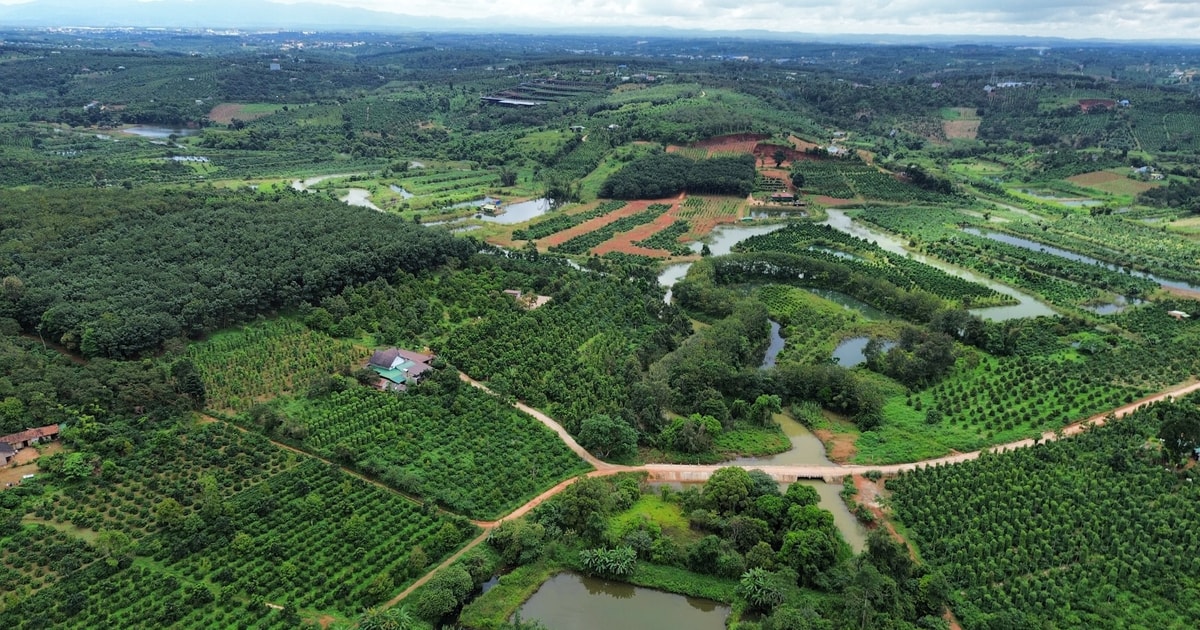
569	601
360	197
806	448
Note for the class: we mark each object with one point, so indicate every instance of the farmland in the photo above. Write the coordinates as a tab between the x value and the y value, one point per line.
196	325
442	446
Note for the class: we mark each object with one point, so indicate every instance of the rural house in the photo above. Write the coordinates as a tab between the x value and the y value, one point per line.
398	368
29	437
7	453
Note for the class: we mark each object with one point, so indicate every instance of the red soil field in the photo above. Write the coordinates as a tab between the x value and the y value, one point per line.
633	207
624	242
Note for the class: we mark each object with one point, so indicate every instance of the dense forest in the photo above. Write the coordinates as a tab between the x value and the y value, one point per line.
116	273
662	175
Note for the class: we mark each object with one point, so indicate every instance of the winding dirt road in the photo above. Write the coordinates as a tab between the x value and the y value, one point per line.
689	472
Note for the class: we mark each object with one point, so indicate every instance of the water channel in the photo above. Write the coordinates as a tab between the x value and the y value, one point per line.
774	347
1035	246
1027	305
569	601
360	197
159	133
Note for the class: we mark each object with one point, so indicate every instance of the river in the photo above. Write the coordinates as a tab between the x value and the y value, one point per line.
1027	306
569	601
774	347
1035	246
720	242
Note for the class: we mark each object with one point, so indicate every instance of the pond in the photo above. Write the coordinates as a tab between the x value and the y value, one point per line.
723	237
569	601
848	303
519	212
773	349
852	351
1027	305
1035	246
159	133
1116	306
360	197
305	184
1074	202
670	275
399	190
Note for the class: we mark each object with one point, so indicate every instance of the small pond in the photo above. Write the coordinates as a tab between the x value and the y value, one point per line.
849	303
1116	306
724	237
399	190
569	601
670	275
851	352
519	212
153	131
1073	202
360	197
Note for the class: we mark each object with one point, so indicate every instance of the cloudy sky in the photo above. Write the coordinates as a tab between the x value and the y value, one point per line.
1113	19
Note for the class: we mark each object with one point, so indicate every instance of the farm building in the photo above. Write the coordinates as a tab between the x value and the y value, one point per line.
7	453
29	437
1180	315
783	197
398	368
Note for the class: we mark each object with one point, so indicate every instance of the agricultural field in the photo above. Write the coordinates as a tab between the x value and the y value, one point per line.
1112	183
1085	532
243	367
460	448
813	240
811	326
226	113
639	213
202	525
960	123
558	222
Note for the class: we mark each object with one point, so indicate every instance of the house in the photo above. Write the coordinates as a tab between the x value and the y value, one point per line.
29	437
399	368
578	128
7	453
783	197
1179	315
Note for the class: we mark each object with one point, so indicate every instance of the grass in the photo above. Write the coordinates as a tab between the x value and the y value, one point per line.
752	441
651	508
493	608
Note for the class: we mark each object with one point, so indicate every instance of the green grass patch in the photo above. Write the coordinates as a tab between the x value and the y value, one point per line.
492	609
651	508
752	441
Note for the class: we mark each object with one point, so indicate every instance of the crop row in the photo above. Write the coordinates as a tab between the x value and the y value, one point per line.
584	242
810	239
464	449
668	239
561	222
267	359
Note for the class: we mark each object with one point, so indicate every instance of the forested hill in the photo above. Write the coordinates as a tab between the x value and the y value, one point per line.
116	272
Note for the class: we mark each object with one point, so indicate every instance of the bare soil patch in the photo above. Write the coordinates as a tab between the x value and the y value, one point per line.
624	242
839	447
226	112
961	129
1113	183
633	207
25	463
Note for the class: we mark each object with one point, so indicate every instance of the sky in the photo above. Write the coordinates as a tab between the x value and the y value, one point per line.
1109	19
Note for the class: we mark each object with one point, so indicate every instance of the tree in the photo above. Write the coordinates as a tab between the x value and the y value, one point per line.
779	156
1180	430
607	436
728	490
797	180
188	382
116	545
